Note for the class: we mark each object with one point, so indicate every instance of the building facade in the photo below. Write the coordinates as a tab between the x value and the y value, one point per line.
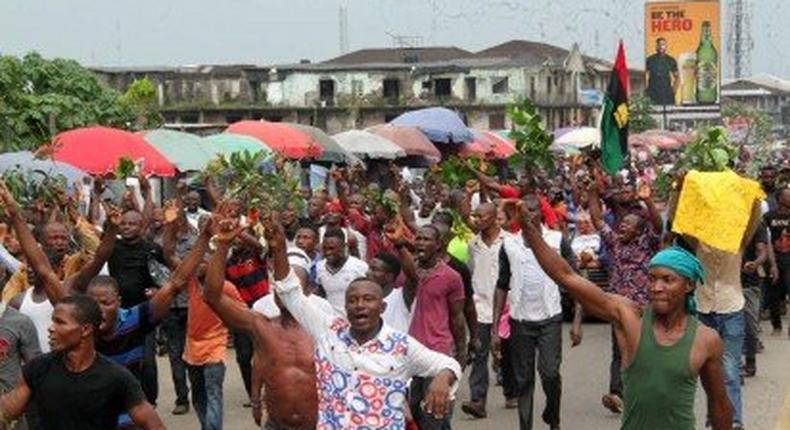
372	86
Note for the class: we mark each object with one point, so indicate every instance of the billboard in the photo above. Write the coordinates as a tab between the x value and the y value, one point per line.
683	52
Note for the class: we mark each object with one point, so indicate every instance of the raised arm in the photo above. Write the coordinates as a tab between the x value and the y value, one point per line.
230	311
35	255
80	280
287	285
161	301
592	298
408	265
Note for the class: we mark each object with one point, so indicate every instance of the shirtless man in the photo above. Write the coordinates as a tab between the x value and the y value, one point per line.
283	356
664	350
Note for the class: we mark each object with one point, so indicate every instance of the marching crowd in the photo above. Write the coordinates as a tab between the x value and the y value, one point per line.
362	309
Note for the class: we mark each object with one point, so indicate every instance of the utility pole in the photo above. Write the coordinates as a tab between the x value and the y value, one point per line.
739	41
343	25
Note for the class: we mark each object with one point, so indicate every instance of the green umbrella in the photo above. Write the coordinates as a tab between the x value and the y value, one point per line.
181	149
227	143
332	152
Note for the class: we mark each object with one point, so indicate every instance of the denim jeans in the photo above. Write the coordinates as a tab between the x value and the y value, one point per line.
206	381
175	328
732	330
478	376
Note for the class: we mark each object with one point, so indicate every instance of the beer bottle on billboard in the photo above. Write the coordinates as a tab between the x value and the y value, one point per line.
707	67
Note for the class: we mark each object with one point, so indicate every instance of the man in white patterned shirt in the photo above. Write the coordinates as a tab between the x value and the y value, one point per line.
363	366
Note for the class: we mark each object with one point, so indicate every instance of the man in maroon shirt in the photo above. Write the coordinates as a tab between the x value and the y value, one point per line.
438	319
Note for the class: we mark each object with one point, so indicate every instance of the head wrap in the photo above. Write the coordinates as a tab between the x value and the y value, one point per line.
681	261
685	264
334	206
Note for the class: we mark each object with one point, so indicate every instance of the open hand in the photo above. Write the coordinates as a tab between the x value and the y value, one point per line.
274	233
172	211
10	207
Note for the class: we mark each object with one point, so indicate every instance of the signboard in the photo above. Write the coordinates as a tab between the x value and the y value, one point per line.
683	52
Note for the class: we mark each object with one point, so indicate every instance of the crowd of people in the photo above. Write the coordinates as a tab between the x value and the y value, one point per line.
363	309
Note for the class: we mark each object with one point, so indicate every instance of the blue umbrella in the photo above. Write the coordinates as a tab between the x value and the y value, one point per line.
25	161
438	124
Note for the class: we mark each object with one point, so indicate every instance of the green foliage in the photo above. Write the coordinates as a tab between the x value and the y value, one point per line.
710	151
455	171
531	138
241	176
40	97
29	187
639	118
125	168
141	99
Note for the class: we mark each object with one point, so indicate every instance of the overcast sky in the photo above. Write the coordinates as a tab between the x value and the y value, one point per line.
179	32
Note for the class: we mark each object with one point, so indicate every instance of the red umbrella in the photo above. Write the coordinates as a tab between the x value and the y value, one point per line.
487	144
660	139
96	150
281	138
411	139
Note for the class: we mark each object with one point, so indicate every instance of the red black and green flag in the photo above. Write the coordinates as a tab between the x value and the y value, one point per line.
614	119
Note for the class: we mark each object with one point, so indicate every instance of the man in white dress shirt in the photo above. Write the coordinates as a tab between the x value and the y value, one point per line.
337	269
484	265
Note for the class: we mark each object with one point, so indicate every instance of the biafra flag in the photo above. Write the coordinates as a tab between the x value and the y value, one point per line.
614	119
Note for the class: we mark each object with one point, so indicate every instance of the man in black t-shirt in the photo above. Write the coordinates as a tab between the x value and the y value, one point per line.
129	265
74	387
755	256
662	75
778	223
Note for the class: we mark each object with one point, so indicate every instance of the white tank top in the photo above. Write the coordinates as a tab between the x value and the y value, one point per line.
41	314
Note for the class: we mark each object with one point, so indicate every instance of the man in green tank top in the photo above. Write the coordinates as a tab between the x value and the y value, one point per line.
664	351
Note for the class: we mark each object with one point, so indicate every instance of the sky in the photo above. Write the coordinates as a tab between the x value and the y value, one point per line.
183	32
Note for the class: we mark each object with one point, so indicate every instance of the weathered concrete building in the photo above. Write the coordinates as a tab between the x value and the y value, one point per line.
765	93
372	86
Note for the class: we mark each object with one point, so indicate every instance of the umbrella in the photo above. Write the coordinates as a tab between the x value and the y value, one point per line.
225	144
365	144
498	146
281	138
96	150
26	161
332	151
660	139
439	124
182	149
580	137
410	139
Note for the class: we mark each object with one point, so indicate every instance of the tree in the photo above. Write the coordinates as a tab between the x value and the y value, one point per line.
531	138
639	120
140	98
40	97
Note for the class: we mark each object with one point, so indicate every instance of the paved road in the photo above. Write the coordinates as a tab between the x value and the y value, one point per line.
584	373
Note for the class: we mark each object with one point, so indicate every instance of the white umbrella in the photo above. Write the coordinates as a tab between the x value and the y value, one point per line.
365	144
581	137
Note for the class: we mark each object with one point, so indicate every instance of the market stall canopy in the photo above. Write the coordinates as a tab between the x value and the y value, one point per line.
579	137
25	161
182	149
661	139
225	144
365	144
282	138
439	124
331	150
97	150
410	139
488	144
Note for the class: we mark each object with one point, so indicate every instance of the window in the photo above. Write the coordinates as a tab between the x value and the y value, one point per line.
499	85
496	121
548	85
356	88
326	91
471	89
231	118
442	87
255	90
190	118
532	88
426	85
391	89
